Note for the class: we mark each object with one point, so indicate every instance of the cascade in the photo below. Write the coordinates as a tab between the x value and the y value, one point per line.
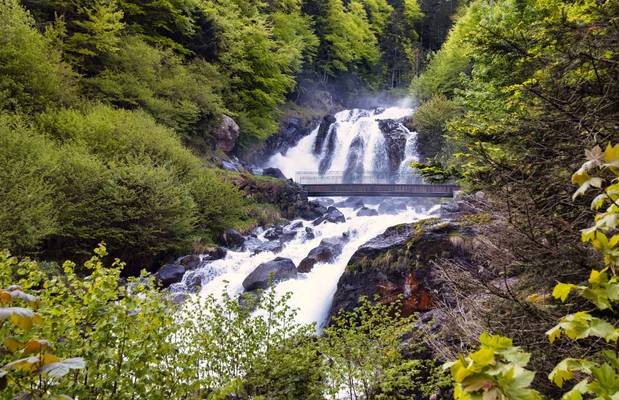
357	143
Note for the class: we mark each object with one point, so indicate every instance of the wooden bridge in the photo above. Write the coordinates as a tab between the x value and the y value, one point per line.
337	184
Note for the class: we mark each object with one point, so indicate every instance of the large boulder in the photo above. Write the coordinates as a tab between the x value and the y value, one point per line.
274	173
232	239
332	215
274	271
395	142
313	209
326	251
273	247
351	202
214	253
226	134
169	274
399	263
367	212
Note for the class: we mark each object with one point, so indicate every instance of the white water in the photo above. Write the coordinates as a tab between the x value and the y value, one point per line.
349	125
312	292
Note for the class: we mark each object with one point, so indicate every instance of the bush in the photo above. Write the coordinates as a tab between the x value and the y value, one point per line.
430	121
32	74
27	210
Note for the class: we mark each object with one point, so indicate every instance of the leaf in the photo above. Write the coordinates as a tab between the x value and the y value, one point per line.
5	297
611	153
495	342
483	357
36	346
562	291
21	317
12	344
554	333
61	368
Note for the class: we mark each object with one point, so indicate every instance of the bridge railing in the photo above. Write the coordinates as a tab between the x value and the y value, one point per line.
369	177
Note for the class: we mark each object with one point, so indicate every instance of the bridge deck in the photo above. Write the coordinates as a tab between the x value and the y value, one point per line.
390	190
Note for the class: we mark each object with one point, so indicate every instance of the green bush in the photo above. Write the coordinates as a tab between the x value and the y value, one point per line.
32	73
27	210
430	122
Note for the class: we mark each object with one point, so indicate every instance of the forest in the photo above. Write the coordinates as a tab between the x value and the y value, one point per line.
115	121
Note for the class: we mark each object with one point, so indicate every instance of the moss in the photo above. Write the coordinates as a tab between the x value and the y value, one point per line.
482	218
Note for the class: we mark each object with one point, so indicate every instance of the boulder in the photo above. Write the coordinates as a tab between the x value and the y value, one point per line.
273	246
399	263
190	262
332	215
233	239
392	206
169	274
323	130
313	210
326	251
295	225
274	173
214	253
367	212
276	270
395	142
252	243
351	202
274	233
309	233
226	134
287	236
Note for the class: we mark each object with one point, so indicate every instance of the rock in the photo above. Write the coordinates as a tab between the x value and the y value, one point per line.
287	236
190	262
351	202
295	225
277	270
274	173
323	130
274	233
233	239
392	206
252	243
326	251
226	134
399	263
379	110
169	274
313	210
395	142
193	281
354	162
325	201
214	253
367	212
291	131
274	247
309	233
333	215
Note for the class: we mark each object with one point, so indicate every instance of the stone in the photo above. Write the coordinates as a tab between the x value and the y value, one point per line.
392	206
287	236
313	210
398	263
233	239
274	233
309	233
274	173
214	253
351	202
274	247
169	274
395	142
332	215
276	270
323	130
367	212
190	262
226	134
326	251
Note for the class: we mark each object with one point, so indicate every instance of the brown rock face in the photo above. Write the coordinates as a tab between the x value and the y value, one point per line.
226	134
399	263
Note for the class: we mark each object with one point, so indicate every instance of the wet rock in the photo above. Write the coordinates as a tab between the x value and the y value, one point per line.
309	233
274	233
226	134
290	133
287	236
392	206
325	163
395	142
232	239
295	225
193	281
366	212
354	162
332	215
276	270
274	173
214	253
169	274
252	243
325	201
190	262
326	251
274	247
399	263
351	202
313	210
323	130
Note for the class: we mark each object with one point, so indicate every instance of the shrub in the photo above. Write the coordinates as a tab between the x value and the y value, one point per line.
27	211
32	74
430	122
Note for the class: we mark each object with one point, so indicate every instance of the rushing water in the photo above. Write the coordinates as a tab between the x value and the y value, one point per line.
313	292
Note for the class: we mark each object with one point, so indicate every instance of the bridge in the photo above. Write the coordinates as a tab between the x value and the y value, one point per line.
371	184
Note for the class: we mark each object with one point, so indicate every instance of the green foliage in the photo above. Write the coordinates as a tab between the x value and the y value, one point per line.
430	121
33	375
32	73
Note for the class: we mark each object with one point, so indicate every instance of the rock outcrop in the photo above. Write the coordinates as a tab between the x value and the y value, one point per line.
273	271
332	215
399	263
232	239
395	142
169	274
323	131
326	251
226	134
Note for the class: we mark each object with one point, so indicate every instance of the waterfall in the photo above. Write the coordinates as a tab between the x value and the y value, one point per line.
354	145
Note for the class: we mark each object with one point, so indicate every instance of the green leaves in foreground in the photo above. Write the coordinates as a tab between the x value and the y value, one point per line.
494	372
